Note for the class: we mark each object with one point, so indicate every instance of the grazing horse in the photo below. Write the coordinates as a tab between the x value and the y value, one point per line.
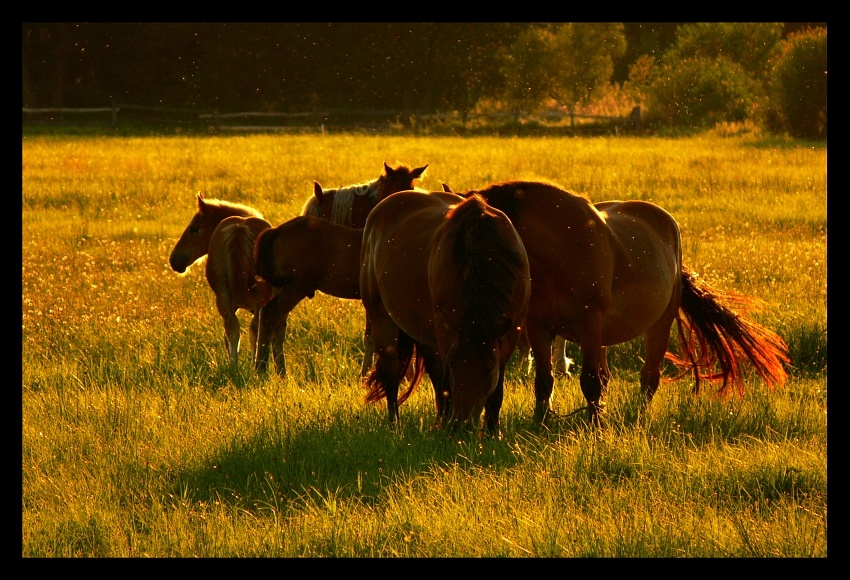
607	273
445	283
303	256
226	232
560	361
298	258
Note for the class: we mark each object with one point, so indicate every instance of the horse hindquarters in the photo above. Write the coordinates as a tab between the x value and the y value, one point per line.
230	274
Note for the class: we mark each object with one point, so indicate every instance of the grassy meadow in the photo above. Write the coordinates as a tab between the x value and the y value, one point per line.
139	440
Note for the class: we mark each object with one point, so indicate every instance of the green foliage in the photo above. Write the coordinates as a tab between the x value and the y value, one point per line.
798	85
748	44
714	73
698	93
565	63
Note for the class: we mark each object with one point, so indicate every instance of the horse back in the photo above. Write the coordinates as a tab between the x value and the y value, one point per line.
307	253
647	236
230	263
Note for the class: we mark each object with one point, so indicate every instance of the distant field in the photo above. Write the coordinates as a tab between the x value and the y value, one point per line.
138	440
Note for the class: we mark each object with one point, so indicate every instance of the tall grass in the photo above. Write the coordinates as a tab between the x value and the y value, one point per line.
139	440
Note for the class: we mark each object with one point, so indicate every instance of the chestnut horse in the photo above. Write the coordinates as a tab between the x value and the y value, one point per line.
445	283
226	232
303	256
607	273
560	361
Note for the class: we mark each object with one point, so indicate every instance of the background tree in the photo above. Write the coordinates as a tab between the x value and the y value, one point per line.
714	72
564	63
798	85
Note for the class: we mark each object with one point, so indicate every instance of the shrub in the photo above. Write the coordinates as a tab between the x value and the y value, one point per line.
798	86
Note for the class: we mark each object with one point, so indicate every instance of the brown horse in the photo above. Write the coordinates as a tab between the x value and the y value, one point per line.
350	205
560	361
226	232
445	283
298	258
607	273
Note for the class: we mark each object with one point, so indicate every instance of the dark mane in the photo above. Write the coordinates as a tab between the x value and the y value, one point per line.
490	267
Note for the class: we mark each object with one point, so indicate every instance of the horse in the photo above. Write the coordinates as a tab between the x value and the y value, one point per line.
297	258
313	263
609	272
226	232
445	284
560	361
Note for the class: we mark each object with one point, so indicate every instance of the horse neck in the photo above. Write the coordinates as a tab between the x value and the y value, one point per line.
352	204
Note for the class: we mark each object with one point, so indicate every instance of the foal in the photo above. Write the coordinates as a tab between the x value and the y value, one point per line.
226	232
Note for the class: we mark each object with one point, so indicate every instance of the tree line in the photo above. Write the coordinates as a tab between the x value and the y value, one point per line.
686	75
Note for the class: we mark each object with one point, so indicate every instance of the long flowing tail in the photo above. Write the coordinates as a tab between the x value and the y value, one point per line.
715	337
407	355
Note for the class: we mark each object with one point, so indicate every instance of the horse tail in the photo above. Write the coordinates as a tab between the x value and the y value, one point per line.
236	244
715	332
407	355
490	264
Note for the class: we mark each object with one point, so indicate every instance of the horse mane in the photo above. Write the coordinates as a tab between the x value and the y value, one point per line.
228	208
343	201
490	267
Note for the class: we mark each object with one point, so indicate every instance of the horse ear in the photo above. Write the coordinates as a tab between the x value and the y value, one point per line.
317	191
201	203
417	173
387	169
446	188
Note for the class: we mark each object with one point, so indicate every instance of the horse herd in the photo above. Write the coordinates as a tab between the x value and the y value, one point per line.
453	282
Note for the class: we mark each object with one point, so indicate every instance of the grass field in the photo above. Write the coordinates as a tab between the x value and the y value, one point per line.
139	440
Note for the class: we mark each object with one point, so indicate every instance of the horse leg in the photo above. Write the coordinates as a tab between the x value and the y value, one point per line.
544	382
264	330
493	405
657	338
272	331
440	380
231	325
385	333
368	349
253	331
593	357
560	365
604	369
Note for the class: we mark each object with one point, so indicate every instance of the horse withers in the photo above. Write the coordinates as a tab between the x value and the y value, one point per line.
226	232
445	283
607	273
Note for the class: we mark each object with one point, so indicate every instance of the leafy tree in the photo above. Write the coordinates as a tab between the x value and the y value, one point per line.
798	85
714	72
566	63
